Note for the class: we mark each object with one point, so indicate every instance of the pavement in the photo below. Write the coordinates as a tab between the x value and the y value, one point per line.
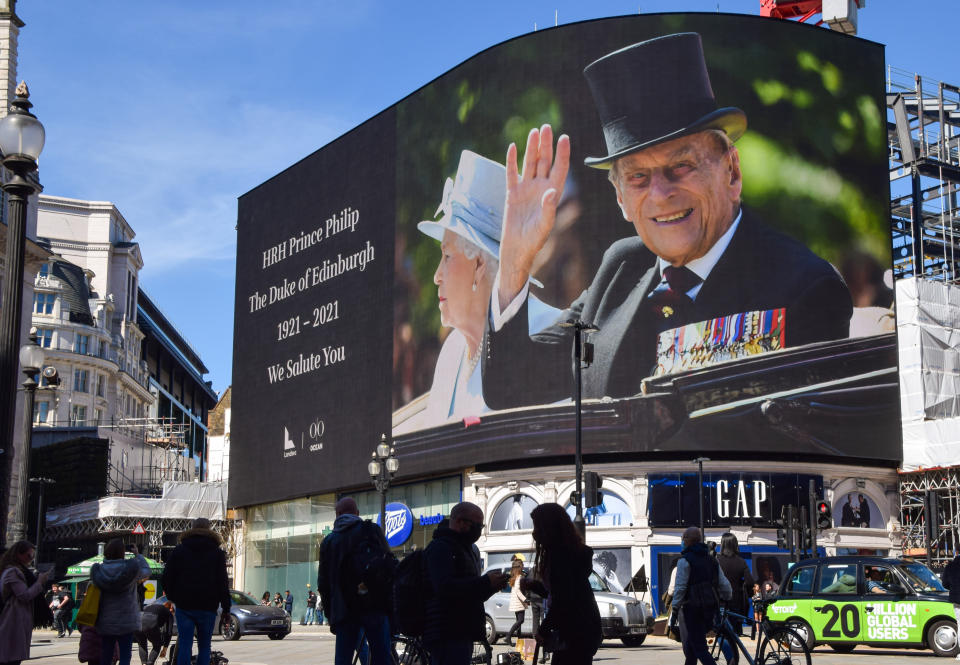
314	645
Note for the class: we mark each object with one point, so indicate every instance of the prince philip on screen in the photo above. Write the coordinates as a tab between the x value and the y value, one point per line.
699	255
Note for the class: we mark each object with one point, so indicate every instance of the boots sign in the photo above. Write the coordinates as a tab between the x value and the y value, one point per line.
728	498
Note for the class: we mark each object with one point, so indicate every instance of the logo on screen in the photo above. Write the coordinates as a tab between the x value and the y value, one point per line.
399	524
317	428
289	447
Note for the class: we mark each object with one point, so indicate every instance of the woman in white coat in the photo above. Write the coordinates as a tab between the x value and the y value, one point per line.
469	234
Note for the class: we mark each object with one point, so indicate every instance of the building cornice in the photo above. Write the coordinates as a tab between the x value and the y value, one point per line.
79	206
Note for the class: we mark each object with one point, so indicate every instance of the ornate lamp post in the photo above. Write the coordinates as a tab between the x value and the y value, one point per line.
31	360
21	141
382	468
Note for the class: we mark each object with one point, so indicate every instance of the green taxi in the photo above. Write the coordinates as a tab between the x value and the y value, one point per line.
844	601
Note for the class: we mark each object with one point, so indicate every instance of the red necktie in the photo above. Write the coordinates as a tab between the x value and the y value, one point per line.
669	300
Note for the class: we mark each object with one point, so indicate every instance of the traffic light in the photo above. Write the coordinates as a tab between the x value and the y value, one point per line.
824	515
806	535
592	497
783	527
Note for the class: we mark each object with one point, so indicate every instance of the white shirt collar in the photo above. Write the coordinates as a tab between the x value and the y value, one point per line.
704	265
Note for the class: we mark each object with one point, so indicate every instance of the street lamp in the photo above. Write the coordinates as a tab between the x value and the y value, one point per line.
382	468
31	360
43	482
699	462
582	353
21	141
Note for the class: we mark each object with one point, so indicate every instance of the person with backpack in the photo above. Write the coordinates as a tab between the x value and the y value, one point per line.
195	579
700	587
355	577
457	591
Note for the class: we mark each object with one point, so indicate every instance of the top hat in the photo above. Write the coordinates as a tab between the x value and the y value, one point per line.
656	91
472	203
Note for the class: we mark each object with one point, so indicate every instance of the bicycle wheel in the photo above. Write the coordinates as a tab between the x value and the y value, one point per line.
784	646
407	651
724	648
482	654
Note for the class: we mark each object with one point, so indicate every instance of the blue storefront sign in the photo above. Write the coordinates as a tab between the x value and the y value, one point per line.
399	524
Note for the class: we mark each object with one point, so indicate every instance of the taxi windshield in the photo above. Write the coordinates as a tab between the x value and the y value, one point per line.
920	577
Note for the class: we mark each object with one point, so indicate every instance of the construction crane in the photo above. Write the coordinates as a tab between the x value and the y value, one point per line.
840	15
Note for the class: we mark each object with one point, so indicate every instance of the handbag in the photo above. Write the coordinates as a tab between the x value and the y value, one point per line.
551	639
89	608
673	624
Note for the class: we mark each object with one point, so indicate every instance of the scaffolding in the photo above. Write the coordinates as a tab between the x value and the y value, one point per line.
945	483
163	457
924	159
923	130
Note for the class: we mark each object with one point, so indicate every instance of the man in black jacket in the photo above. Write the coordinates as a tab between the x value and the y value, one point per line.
699	587
455	617
951	580
354	577
195	580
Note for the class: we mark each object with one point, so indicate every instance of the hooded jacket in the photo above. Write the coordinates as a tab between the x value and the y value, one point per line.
336	596
195	577
454	611
117	579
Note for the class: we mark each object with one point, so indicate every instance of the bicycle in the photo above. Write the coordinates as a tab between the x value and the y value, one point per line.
411	651
776	645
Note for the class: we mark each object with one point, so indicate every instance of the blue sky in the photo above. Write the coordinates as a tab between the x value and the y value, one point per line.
171	110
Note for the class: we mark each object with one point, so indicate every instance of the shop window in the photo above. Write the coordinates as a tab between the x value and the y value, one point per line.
612	511
513	513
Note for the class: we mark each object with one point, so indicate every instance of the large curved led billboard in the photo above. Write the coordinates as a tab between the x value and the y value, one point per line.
704	196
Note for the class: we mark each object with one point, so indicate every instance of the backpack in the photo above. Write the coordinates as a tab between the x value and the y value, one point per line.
410	591
371	563
703	595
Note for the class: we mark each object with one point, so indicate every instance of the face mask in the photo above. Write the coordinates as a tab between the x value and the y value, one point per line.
473	535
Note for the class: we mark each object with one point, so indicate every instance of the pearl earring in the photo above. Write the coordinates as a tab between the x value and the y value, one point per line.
474	287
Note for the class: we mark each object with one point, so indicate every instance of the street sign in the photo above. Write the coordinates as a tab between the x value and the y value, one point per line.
139	530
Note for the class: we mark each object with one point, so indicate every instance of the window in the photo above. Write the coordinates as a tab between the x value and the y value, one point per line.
100	382
45	337
81	344
801	580
98	416
43	303
80	380
102	349
78	415
838	578
40	412
44	269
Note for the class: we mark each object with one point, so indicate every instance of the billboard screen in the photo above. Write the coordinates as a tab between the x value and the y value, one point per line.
711	194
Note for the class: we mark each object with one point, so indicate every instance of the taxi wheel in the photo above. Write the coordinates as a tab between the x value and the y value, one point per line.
942	638
802	628
843	648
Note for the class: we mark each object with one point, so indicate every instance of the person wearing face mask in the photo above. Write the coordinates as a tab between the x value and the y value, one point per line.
454	611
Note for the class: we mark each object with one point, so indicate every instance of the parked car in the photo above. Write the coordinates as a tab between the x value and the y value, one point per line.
845	601
622	616
248	617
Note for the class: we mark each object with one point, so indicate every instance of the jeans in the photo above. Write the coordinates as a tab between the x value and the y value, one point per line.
189	621
374	627
310	616
450	653
123	642
693	635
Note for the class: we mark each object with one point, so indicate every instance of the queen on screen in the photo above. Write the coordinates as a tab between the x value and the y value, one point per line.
468	228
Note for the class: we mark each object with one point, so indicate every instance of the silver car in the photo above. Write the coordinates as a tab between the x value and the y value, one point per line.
621	615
